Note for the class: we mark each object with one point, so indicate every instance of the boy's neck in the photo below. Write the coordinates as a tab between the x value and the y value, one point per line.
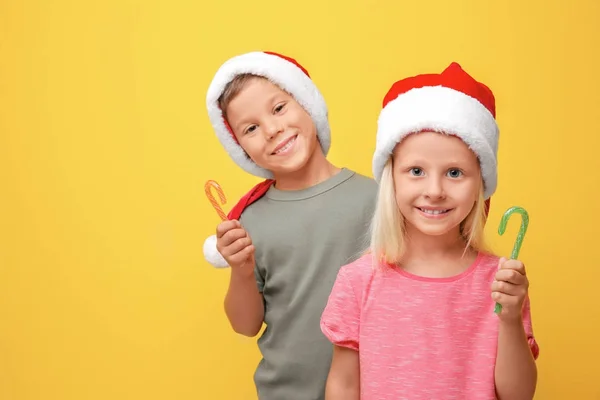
436	256
318	169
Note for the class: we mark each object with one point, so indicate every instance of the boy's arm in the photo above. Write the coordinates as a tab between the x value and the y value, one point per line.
244	304
343	382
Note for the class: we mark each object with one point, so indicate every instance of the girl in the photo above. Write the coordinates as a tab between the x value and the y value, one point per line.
414	319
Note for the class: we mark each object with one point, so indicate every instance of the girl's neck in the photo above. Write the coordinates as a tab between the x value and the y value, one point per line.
436	256
318	169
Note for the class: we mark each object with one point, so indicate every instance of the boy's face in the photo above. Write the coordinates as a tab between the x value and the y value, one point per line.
437	180
273	129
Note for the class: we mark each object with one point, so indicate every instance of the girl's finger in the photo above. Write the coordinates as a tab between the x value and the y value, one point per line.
511	276
507	288
513	265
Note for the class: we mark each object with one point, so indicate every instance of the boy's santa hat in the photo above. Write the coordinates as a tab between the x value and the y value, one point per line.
290	76
281	70
452	103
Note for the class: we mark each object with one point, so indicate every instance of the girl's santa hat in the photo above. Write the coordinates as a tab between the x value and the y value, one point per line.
452	103
291	77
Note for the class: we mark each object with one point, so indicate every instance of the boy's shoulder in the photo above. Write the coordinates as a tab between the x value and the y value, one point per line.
358	186
363	180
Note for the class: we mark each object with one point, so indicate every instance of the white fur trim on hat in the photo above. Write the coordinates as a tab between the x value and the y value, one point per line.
443	110
287	76
212	255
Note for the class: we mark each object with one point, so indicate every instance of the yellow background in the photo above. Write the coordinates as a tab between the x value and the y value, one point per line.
105	146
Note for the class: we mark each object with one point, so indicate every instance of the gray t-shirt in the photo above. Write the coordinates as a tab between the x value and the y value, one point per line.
302	238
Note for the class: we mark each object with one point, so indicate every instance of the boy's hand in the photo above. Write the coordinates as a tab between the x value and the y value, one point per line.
510	289
235	245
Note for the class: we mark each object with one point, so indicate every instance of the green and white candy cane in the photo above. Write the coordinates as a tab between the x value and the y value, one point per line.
522	230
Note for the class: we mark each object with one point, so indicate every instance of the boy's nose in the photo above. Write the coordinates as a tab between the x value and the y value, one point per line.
272	128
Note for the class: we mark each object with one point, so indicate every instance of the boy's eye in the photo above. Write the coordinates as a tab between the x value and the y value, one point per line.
416	171
279	107
454	173
250	129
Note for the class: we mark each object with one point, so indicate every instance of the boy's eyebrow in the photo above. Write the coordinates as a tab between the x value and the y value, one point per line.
270	101
241	124
275	96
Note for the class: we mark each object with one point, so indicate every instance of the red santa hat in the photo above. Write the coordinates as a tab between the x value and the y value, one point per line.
281	70
290	76
452	103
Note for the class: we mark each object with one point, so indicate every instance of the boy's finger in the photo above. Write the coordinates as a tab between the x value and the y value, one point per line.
226	226
230	237
242	256
237	246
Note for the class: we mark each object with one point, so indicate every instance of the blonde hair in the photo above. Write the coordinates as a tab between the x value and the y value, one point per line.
388	230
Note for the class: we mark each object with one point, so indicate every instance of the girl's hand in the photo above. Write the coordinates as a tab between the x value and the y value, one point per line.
510	289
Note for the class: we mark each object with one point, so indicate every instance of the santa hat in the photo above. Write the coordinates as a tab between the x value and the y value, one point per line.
452	103
281	70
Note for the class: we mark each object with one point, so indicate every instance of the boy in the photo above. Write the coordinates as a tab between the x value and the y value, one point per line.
298	226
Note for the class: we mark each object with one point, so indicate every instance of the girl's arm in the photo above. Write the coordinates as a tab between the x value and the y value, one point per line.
343	382
516	371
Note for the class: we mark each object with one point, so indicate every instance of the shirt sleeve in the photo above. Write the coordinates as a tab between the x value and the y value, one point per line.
341	318
260	280
527	324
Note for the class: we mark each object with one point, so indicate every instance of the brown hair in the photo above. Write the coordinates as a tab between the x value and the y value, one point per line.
233	88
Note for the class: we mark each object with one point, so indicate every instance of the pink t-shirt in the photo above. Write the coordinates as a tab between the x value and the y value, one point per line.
419	338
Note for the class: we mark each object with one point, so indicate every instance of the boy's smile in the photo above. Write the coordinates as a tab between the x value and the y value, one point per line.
285	145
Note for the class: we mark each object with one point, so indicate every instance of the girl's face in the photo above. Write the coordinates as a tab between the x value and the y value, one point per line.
437	181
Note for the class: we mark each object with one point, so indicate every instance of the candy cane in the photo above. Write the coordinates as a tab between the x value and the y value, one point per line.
208	186
520	235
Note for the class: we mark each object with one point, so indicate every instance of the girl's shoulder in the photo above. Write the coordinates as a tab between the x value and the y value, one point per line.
487	264
488	259
359	272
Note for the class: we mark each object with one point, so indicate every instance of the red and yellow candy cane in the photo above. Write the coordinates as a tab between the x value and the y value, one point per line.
208	187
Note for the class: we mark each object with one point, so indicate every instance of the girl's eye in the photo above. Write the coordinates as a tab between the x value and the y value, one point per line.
250	129
454	173
416	171
279	108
